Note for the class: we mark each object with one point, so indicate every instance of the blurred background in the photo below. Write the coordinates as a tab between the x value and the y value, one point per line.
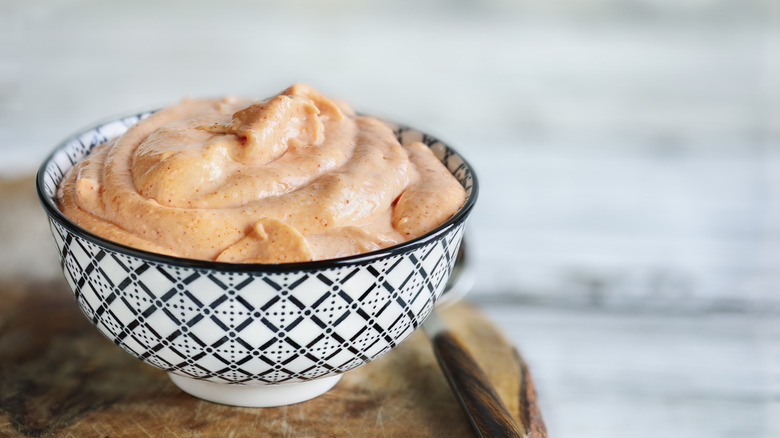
627	238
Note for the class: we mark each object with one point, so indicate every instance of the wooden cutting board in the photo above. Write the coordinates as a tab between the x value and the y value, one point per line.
60	377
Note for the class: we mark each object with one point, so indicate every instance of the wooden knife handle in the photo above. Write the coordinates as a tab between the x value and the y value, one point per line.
487	413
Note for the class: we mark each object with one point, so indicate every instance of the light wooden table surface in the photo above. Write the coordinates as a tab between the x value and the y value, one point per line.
602	373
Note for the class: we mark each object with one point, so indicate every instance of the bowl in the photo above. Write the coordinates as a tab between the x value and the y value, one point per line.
252	334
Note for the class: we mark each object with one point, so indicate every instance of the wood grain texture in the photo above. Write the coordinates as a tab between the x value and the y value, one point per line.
59	377
530	412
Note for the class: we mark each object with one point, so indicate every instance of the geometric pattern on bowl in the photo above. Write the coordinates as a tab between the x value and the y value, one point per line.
252	324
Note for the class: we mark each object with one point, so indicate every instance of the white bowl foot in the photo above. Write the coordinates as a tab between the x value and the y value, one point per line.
255	396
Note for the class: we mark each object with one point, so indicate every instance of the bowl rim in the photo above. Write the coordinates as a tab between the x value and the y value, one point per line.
258	268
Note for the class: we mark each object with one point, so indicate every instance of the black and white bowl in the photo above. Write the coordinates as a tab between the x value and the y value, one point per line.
252	334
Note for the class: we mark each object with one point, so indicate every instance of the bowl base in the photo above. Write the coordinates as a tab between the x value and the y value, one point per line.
255	396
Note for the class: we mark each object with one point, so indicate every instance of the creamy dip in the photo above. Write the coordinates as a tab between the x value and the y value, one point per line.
297	177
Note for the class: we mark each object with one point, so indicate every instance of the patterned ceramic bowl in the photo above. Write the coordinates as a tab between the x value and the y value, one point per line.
250	334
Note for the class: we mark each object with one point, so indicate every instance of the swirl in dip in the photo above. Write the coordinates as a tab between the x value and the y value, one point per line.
297	177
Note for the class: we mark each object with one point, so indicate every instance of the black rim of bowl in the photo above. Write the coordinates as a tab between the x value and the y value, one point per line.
57	215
